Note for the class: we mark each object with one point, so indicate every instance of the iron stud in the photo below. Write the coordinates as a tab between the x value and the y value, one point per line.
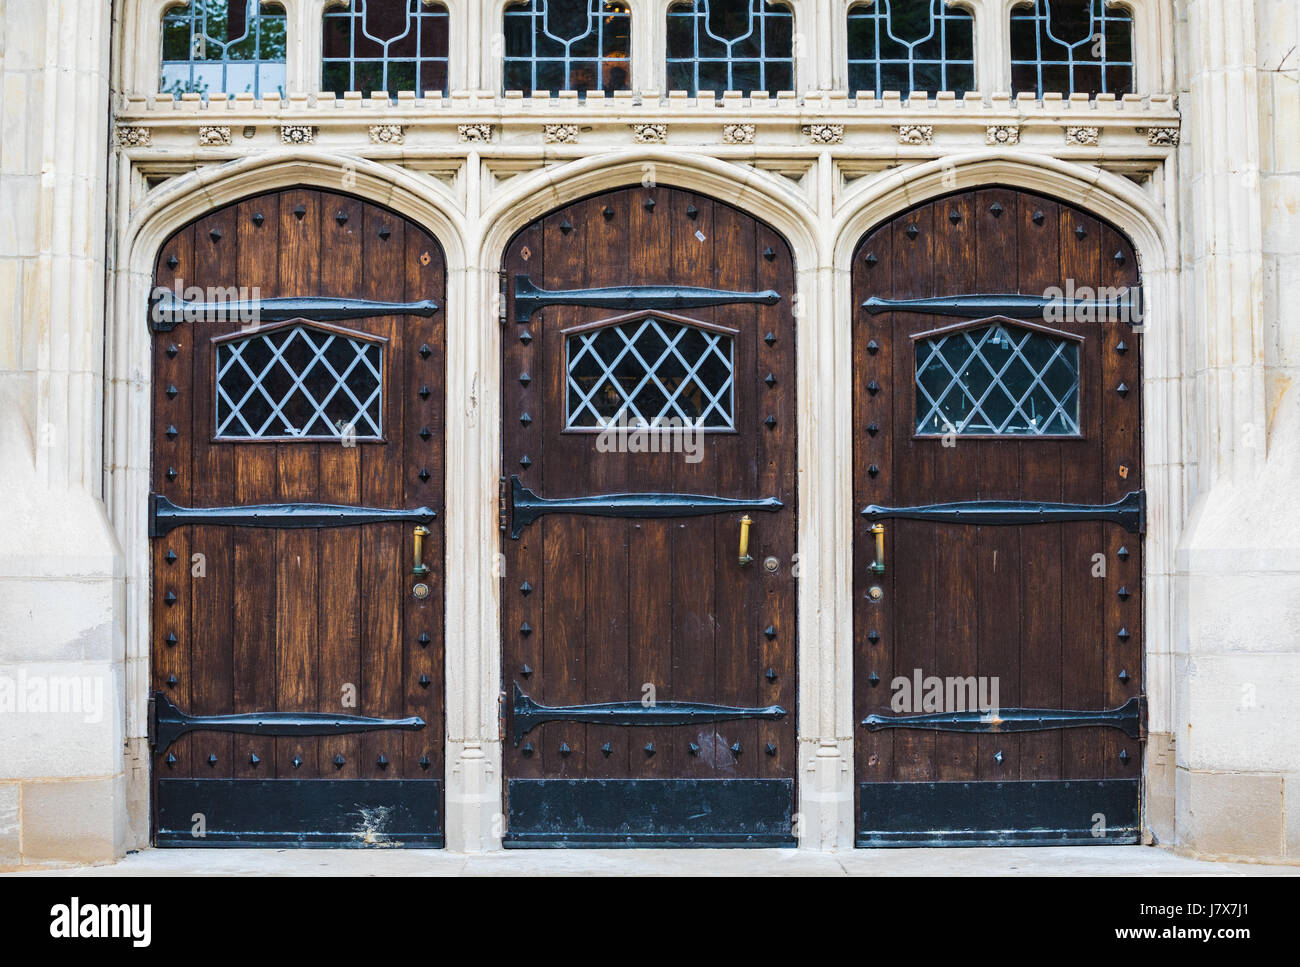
526	671
770	379
423	392
1124	593
770	422
1122	390
997	757
524	379
424	681
171	760
169	598
384	232
770	631
874	679
954	216
173	261
649	204
215	235
425	351
424	762
338	761
770	339
608	213
871	260
212	759
1124	756
425	433
1124	634
423	475
564	749
527	750
254	759
769	254
424	639
1119	258
771	749
172	391
566	227
1121	347
525	589
873	347
770	674
299	212
297	762
525	629
693	213
171	639
172	350
171	681
172	432
1080	233
736	749
873	636
1039	218
525	461
170	556
693	749
341	218
1124	676
913	230
873	387
607	749
649	748
172	473
525	337
873	429
873	471
1122	553
525	420
997	210
382	761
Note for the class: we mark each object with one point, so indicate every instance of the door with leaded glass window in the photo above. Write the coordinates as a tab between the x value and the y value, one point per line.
998	525
296	528
648	526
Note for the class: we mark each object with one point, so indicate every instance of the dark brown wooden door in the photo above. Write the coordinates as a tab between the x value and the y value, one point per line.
321	423
666	669
961	403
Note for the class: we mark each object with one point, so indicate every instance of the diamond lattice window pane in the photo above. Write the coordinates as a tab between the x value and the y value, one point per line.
299	382
650	372
999	380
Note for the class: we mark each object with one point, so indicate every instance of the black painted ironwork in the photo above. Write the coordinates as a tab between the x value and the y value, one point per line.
1128	718
333	813
168	310
164	516
1127	305
526	506
529	298
167	723
528	714
1131	512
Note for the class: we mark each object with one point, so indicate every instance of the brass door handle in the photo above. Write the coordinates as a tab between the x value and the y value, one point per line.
878	565
745	559
420	570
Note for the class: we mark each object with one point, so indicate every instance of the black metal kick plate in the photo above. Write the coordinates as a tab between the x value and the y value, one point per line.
1068	812
333	813
611	813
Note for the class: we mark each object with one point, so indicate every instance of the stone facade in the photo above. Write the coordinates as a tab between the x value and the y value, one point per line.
1199	168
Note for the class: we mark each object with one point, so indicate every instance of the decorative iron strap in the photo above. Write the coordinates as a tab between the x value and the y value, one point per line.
1131	511
168	310
1127	305
526	506
1128	718
528	714
529	298
164	516
167	723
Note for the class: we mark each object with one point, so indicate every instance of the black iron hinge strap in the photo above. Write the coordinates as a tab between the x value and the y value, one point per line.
529	714
529	298
1125	305
164	516
1129	718
1131	511
167	723
526	506
167	310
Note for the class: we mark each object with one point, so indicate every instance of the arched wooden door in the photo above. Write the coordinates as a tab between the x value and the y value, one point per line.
297	653
648	410
998	541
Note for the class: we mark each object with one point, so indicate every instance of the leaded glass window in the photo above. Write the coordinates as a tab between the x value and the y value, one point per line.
300	381
376	46
223	46
911	45
650	372
997	379
730	45
1071	46
568	45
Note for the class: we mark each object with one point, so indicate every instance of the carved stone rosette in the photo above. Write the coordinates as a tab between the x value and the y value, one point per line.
130	136
1083	135
738	133
824	133
387	134
916	134
1002	134
479	133
297	134
649	133
560	134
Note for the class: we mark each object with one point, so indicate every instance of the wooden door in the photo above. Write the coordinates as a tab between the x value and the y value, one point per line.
297	658
998	459
649	675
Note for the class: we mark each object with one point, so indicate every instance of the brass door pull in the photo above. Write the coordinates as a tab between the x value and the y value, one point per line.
878	565
745	559
420	570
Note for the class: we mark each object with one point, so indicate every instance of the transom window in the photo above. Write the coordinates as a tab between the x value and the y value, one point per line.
997	379
650	372
385	45
1072	46
730	45
911	45
299	381
223	46
568	45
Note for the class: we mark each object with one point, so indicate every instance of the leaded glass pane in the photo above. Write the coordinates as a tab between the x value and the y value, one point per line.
385	46
911	45
730	45
999	380
223	46
297	381
1071	46
568	45
650	372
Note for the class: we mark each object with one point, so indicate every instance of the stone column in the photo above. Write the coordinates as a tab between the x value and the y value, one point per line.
62	788
1237	621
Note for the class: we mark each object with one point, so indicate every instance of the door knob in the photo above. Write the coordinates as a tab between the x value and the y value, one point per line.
745	559
420	570
878	565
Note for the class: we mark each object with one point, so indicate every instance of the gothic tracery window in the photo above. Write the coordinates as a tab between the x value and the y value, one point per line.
568	45
223	46
385	45
730	45
1071	46
911	45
